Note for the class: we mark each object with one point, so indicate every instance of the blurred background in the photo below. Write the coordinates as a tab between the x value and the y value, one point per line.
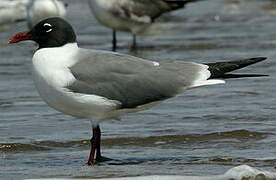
205	131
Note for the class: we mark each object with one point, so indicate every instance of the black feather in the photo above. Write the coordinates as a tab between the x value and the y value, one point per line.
177	4
220	69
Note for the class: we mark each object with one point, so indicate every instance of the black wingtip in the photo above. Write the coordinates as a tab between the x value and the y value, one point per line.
220	69
177	4
246	62
258	59
231	76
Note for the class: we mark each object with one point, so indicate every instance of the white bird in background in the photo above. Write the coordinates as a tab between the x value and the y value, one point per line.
12	11
104	85
38	10
132	15
31	11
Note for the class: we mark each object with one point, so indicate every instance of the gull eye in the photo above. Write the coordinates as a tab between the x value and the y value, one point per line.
47	27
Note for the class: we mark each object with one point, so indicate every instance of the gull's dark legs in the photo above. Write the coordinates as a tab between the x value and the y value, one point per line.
95	152
133	41
114	41
98	140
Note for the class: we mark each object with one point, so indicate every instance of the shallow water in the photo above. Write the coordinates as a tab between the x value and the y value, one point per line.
204	131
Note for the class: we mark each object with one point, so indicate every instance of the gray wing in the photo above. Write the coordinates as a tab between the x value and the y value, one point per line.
130	80
146	11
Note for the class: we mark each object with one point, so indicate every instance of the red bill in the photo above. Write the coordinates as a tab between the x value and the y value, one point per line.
22	36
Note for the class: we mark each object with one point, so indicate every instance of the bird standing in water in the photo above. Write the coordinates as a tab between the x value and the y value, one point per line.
103	85
132	15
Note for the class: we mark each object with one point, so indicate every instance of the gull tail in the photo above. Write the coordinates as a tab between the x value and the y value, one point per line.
219	70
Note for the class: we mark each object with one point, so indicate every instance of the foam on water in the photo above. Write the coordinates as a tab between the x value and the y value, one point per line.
237	173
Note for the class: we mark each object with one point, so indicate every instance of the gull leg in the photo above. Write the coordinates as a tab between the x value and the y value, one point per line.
98	144
133	42
95	152
114	41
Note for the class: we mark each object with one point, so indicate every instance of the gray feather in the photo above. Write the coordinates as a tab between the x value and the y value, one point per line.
130	80
145	11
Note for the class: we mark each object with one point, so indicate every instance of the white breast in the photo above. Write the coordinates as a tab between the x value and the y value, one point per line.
51	76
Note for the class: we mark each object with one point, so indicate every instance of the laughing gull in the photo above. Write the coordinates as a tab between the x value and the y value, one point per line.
38	10
103	85
132	15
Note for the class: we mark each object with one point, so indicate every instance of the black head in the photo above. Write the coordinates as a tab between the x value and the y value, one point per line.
51	32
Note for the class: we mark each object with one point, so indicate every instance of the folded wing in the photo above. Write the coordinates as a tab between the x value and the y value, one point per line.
133	81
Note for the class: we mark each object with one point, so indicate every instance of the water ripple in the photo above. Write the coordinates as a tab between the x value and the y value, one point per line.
135	141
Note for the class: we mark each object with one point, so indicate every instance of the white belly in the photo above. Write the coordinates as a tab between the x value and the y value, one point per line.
51	77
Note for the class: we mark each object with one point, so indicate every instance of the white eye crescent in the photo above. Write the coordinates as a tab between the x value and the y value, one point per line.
48	27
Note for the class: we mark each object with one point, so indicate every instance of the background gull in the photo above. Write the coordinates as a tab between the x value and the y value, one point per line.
12	11
38	10
31	11
132	15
